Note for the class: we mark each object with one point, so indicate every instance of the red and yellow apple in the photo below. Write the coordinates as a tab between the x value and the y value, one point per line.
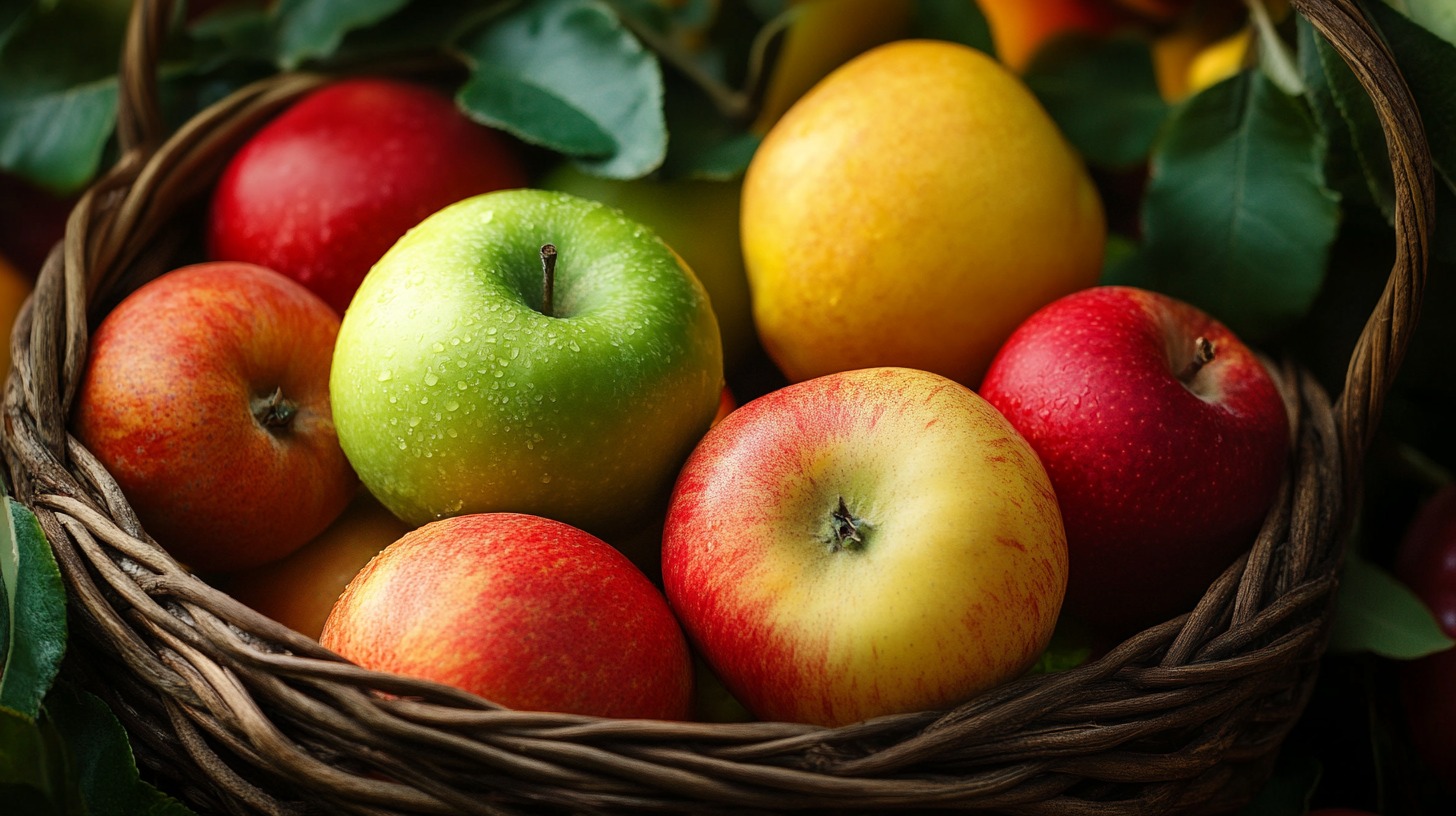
321	192
524	611
1165	437
864	543
206	395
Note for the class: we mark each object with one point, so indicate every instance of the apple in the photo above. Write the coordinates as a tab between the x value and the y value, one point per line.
1426	562
299	589
459	386
527	612
321	191
864	543
206	396
1165	437
15	287
698	218
911	210
1020	29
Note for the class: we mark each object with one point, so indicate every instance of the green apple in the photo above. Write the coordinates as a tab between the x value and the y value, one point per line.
699	219
462	383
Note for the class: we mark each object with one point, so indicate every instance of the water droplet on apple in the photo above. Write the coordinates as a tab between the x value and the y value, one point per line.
452	405
486	216
431	378
515	352
546	478
413	421
386	375
574	347
499	373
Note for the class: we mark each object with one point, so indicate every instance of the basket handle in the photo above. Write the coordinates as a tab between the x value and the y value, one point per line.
139	122
1382	343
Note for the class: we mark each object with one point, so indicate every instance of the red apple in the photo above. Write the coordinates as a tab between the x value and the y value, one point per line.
528	612
323	190
1426	562
864	543
206	394
1165	437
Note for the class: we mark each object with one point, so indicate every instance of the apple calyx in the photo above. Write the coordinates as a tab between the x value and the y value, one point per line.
548	278
845	533
274	410
1203	351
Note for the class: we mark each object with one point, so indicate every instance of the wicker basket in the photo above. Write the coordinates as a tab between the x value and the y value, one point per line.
236	713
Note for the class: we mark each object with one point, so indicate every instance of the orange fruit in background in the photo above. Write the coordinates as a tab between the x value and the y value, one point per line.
299	590
15	287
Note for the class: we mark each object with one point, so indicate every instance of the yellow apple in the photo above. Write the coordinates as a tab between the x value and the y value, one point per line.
299	590
911	210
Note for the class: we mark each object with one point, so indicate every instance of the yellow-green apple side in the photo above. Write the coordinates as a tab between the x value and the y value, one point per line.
911	210
524	611
864	543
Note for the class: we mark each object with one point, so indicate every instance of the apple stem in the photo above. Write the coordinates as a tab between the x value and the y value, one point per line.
548	278
846	529
273	411
1202	355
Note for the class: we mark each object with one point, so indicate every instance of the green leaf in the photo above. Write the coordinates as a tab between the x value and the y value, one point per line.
1357	164
1070	647
565	74
32	765
1374	612
313	29
1237	219
58	92
1436	16
953	20
702	144
100	758
36	601
1103	94
1428	63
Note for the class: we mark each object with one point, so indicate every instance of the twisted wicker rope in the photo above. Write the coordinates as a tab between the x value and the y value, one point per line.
246	716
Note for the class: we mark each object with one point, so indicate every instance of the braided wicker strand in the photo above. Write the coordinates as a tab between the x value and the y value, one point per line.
241	715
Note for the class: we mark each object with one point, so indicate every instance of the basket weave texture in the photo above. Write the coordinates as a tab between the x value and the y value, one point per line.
238	714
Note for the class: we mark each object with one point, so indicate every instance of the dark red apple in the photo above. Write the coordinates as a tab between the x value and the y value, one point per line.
1165	438
323	190
1426	562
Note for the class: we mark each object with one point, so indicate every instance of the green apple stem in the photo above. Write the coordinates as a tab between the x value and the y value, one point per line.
274	411
548	278
1202	355
847	535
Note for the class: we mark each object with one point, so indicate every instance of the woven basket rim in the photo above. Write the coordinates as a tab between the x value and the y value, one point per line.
248	716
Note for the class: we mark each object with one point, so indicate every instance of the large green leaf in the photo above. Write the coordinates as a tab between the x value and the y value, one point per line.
1357	165
58	92
1428	64
567	75
1237	219
103	769
36	611
1376	613
314	29
1103	94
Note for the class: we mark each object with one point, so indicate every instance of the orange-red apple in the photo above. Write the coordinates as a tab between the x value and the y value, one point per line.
206	395
527	612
